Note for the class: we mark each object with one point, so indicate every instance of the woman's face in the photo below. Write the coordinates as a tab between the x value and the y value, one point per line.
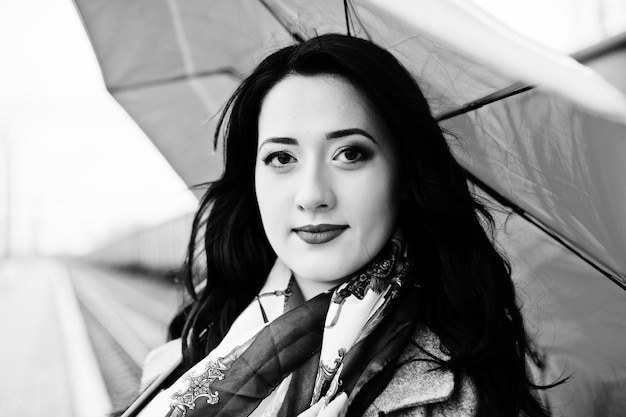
326	179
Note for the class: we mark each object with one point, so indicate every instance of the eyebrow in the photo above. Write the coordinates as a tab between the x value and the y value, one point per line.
348	132
331	135
281	140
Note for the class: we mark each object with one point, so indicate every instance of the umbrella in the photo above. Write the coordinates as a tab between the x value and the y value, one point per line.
556	154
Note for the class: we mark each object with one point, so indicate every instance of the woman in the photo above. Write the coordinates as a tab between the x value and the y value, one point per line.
343	221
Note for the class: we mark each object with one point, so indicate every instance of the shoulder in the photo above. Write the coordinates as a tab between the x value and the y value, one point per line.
419	388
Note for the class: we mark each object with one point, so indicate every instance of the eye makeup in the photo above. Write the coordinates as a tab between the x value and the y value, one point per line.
278	159
352	154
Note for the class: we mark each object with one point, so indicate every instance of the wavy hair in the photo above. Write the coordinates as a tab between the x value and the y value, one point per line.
468	295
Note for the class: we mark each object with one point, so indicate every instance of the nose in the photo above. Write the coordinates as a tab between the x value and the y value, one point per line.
315	190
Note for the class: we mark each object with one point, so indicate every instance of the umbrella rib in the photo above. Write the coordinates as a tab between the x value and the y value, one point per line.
347	16
351	15
506	92
583	56
594	263
600	49
298	37
147	84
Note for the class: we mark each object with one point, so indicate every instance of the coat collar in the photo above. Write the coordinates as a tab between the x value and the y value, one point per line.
417	381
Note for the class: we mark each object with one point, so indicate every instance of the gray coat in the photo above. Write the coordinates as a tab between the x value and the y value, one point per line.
416	389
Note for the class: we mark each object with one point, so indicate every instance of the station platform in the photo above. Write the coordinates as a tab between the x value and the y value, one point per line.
75	335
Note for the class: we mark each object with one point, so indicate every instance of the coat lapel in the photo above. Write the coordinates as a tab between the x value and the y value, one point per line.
417	381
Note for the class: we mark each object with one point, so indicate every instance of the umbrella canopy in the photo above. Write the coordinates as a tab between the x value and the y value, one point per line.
556	153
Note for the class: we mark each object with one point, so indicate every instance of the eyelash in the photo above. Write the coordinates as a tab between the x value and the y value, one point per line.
273	155
362	155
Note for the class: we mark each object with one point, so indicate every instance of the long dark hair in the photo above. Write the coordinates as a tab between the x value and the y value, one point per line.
469	298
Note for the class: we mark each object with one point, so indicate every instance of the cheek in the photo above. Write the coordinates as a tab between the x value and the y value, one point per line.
374	203
271	197
262	190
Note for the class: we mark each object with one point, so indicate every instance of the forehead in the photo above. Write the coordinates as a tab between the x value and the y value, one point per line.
316	104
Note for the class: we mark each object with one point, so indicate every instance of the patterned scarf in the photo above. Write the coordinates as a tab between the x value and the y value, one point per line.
276	363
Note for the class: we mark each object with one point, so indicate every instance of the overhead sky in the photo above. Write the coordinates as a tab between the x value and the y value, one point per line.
81	171
76	172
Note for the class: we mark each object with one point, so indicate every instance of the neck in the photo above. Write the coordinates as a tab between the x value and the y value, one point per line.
309	288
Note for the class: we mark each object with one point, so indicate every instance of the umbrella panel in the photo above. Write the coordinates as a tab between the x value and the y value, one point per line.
183	132
558	162
448	79
146	42
575	316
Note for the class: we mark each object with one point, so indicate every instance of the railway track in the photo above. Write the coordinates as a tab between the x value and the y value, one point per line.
126	316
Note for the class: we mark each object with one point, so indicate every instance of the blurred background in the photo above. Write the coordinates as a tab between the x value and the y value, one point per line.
93	219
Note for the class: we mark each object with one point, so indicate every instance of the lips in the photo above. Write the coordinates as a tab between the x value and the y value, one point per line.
318	234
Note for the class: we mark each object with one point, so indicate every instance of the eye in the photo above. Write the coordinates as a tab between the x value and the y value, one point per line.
279	159
351	155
